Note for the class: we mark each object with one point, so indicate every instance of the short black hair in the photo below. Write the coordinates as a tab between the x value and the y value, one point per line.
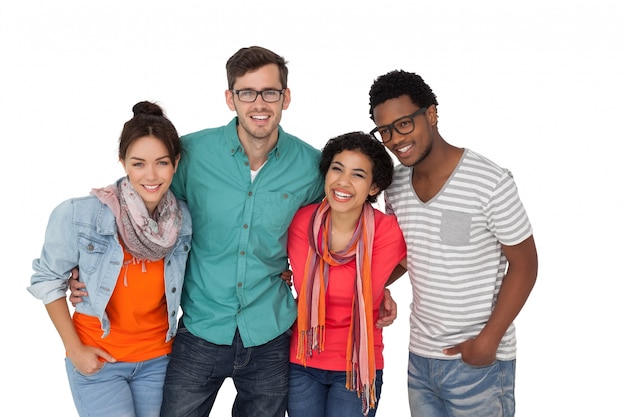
365	143
399	83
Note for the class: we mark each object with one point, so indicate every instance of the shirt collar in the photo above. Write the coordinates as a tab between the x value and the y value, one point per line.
235	145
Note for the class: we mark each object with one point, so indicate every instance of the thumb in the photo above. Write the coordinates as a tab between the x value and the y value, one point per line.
387	300
454	350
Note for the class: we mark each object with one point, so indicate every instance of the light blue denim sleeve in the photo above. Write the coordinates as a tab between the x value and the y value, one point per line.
58	256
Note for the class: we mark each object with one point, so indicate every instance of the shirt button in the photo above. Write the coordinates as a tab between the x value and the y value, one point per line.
239	284
249	193
173	289
90	247
242	253
245	226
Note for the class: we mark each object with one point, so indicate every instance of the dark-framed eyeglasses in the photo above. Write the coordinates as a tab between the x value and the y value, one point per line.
268	96
404	125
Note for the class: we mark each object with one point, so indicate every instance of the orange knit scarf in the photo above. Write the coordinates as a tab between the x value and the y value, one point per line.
360	364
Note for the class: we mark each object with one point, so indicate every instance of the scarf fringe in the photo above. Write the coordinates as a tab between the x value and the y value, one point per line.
365	392
134	261
309	341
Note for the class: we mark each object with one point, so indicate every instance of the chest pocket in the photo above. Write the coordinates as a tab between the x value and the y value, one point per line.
455	228
274	211
92	253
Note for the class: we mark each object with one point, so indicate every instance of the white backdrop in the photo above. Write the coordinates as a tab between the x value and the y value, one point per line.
534	85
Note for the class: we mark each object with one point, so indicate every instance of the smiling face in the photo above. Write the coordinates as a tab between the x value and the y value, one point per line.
258	120
150	169
414	147
349	181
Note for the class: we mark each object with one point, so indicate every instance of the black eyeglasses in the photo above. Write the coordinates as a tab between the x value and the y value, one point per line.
404	125
268	96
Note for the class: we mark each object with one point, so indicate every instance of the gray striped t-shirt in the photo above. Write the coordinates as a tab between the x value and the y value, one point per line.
455	258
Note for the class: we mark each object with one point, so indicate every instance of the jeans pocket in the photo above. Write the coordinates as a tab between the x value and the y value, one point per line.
479	366
91	375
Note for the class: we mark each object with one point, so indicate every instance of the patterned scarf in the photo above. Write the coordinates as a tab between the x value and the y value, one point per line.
360	364
146	238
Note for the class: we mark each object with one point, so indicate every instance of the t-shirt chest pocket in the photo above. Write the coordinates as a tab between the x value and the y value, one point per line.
455	228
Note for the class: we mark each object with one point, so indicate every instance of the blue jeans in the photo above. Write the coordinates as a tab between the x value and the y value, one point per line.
319	393
439	388
121	389
198	368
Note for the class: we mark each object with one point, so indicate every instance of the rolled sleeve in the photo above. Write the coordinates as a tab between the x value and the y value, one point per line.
58	256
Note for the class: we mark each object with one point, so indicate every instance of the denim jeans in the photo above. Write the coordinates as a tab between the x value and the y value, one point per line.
439	388
198	368
121	389
320	393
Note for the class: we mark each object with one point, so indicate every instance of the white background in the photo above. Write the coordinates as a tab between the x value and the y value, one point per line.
536	86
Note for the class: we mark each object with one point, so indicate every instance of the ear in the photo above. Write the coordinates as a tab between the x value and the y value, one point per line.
176	161
286	98
374	189
431	115
230	100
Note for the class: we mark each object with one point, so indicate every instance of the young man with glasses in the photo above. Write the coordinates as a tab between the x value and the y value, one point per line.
243	183
471	257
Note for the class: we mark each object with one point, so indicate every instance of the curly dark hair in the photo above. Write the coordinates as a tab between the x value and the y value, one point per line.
366	144
399	83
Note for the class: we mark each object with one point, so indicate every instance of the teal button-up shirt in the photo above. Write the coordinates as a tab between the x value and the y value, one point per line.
239	245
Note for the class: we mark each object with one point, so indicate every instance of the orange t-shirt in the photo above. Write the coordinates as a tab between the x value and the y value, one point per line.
138	314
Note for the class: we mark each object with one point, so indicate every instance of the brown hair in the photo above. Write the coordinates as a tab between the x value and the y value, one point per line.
149	120
252	58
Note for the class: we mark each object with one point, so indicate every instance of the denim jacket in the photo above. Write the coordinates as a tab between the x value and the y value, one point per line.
82	232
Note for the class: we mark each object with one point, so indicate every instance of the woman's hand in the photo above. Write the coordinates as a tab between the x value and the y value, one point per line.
88	359
286	276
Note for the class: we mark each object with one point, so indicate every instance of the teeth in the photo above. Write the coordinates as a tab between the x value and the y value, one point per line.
342	195
151	187
260	117
406	148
